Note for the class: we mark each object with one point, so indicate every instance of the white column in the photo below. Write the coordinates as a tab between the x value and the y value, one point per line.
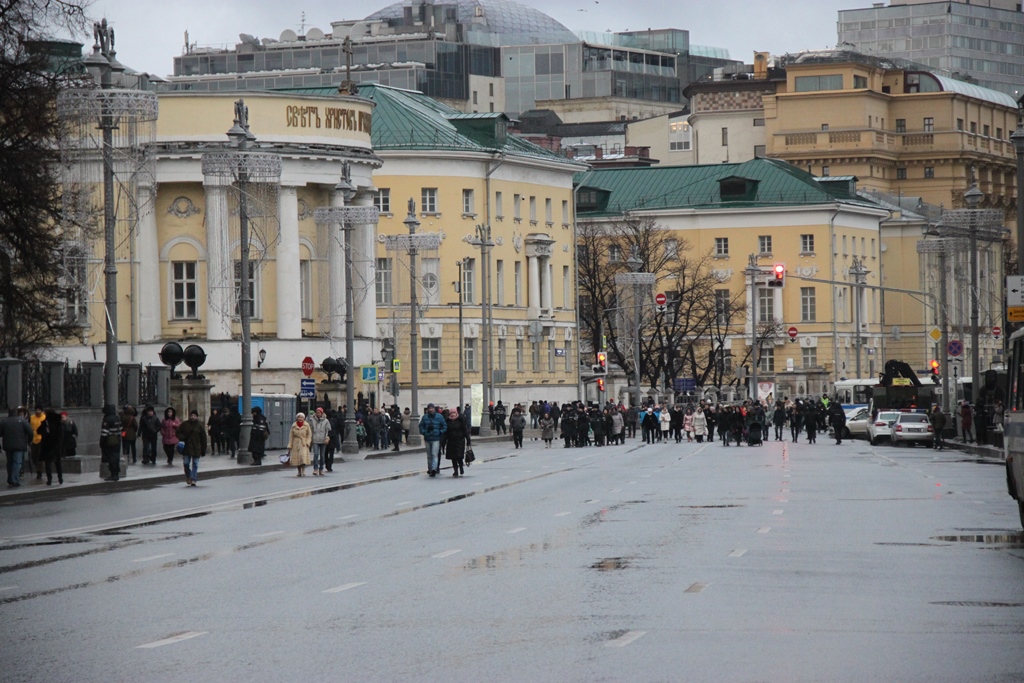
545	285
150	293
289	276
219	266
533	302
364	267
336	270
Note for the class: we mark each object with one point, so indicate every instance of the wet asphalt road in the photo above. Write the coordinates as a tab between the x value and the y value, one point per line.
629	563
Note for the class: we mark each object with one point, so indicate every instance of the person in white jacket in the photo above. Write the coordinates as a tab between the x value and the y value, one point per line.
321	428
700	425
666	422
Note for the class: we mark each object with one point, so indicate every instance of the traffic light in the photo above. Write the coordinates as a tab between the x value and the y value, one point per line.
935	371
778	278
600	384
601	368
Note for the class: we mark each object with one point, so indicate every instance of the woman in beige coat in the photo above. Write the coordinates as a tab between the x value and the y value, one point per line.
299	440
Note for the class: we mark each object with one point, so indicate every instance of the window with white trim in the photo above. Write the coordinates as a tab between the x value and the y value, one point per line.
183	288
382	199
767	361
808	305
430	357
721	246
765	305
428	200
306	288
383	283
468	279
499	283
468	207
469	354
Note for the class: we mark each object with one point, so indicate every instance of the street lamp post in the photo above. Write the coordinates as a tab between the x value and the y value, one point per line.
347	217
462	362
484	242
860	274
241	135
973	197
752	271
635	280
414	419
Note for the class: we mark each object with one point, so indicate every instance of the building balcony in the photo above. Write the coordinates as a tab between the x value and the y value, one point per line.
884	142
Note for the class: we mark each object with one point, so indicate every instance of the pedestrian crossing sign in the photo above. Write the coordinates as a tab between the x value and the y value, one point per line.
368	373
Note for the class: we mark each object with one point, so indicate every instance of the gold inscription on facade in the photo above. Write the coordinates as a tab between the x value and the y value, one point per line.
334	118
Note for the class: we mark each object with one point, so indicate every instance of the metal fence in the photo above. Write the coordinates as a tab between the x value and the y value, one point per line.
77	386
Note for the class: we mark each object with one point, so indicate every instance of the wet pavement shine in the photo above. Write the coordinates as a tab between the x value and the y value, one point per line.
690	562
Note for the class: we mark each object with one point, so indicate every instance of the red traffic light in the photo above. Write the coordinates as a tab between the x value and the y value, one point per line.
602	359
600	384
935	367
780	271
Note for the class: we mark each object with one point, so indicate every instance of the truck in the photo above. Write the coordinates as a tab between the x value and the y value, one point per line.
899	388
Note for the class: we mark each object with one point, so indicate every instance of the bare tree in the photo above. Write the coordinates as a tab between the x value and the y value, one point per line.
32	261
688	336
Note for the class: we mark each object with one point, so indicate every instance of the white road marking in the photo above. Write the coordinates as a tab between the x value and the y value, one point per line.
516	530
404	502
446	553
697	587
173	639
625	639
783	500
614	490
478	483
446	491
345	587
7	588
645	476
269	533
349	516
152	557
776	512
562	514
764	530
592	501
739	552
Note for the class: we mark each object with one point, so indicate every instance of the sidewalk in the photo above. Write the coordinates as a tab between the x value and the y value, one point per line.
210	467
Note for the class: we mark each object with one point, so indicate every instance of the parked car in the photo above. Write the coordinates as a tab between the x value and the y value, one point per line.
912	428
880	429
857	420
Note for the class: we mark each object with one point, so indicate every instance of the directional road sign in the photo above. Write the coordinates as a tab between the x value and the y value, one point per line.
307	388
1015	290
955	347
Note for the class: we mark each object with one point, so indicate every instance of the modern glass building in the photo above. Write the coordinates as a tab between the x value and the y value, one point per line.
981	44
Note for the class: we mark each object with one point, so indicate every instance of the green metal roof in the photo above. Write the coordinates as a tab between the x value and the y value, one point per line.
410	120
771	183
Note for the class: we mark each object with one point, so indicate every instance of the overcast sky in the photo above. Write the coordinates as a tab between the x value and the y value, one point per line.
150	33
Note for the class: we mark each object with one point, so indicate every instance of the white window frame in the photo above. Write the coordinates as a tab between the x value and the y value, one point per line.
547	212
764	244
808	305
765	305
567	298
565	212
502	347
807	243
383	283
468	204
498	212
430	354
519	355
672	250
809	357
518	283
382	200
469	354
184	281
468	280
499	272
428	201
721	246
430	267
517	207
306	289
766	360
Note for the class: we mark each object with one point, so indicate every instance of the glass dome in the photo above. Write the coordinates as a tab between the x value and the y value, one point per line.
494	22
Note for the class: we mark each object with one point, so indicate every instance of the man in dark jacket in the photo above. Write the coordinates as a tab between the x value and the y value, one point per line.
232	430
258	436
110	442
16	435
149	429
192	433
838	420
937	418
432	428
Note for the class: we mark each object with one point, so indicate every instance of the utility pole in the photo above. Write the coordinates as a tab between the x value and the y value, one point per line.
752	271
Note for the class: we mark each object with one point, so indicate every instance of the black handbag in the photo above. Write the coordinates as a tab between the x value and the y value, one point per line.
469	455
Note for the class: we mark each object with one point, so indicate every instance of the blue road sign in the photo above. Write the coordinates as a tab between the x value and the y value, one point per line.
368	373
955	347
681	384
307	388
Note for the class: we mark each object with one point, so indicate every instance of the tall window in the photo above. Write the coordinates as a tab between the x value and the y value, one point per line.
809	357
306	288
725	137
428	272
517	207
428	200
468	278
184	288
499	272
901	174
567	302
502	344
535	346
679	136
551	355
929	124
430	357
565	212
383	284
721	246
764	244
533	210
568	356
901	125
498	213
767	360
519	355
929	171
250	284
467	203
723	302
75	279
765	305
807	244
547	211
518	291
672	249
382	200
469	354
614	253
808	305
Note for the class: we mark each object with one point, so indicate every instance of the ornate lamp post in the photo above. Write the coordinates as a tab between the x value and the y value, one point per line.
973	197
638	283
244	167
347	217
752	271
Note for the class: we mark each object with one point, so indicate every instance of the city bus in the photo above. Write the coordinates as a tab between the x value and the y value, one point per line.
853	393
1013	422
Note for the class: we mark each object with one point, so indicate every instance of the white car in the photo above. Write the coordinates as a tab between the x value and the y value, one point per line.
912	428
857	421
881	428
